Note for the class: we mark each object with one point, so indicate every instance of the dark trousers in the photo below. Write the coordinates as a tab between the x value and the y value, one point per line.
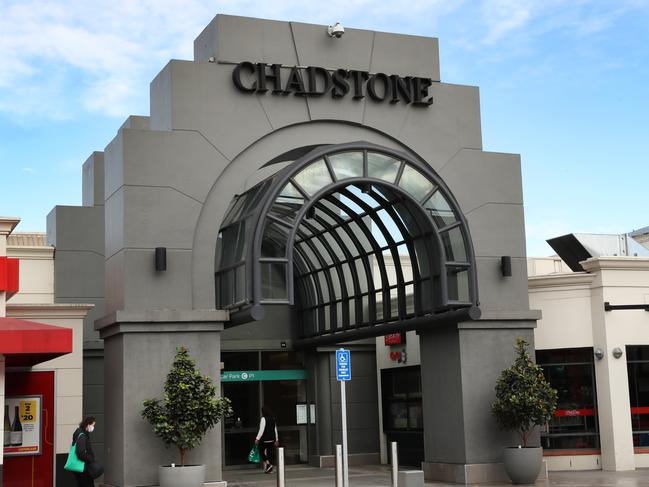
267	451
84	480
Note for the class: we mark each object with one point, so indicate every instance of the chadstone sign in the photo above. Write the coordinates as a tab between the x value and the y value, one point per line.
316	81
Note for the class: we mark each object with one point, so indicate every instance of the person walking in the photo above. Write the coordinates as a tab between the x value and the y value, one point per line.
267	438
81	437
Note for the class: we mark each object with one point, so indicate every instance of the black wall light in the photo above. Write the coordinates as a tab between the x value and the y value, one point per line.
506	266
161	259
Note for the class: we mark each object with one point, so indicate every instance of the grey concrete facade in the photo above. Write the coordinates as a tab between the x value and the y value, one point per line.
168	180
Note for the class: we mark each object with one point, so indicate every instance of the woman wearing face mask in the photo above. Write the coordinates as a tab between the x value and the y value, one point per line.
81	437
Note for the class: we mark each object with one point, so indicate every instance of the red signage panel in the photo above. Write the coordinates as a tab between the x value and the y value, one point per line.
9	272
394	339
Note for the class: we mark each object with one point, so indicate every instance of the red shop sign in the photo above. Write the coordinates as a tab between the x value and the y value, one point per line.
394	339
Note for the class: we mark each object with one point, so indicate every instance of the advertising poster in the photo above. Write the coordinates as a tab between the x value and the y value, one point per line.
22	426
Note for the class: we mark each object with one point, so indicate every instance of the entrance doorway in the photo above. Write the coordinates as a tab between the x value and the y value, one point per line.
276	379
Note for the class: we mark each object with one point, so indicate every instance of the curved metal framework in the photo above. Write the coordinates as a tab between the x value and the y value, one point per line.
356	235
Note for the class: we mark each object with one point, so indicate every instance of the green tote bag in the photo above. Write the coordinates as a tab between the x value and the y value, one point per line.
73	464
254	456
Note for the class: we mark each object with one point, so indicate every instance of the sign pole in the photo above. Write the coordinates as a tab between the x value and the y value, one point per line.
343	374
343	405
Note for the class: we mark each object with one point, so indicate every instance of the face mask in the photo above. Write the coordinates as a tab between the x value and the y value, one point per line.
91	428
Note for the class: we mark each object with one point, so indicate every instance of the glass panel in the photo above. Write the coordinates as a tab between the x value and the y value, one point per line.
235	209
401	389
347	165
379	237
339	315
636	353
638	374
415	416
323	286
379	305
275	238
391	226
415	183
240	361
351	305
398	416
382	167
327	318
362	276
226	286
273	281
285	211
439	210
290	194
336	284
308	255
349	278
394	304
240	283
314	177
241	243
281	360
574	424
229	242
564	356
353	207
458	283
366	309
410	298
343	233
453	241
360	235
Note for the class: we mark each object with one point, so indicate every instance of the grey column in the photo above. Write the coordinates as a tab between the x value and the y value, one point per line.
139	351
459	367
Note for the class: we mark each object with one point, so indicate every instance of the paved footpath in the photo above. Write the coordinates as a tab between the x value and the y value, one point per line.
379	475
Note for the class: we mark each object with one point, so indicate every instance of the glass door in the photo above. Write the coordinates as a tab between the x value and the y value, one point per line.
240	428
253	379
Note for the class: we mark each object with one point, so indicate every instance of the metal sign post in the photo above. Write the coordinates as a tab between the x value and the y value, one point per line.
343	374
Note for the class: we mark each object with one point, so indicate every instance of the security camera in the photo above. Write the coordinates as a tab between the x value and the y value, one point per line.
336	30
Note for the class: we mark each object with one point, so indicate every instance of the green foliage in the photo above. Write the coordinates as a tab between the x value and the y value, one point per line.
190	406
524	399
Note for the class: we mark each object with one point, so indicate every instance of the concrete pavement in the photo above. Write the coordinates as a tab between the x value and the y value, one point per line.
379	475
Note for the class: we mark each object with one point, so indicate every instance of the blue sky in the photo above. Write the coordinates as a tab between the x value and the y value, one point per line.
563	83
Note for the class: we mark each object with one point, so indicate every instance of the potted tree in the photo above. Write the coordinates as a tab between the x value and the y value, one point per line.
524	400
189	409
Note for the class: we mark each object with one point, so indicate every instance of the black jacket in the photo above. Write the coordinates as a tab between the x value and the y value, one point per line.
84	446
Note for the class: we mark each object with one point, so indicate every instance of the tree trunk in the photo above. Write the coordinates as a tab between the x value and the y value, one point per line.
182	456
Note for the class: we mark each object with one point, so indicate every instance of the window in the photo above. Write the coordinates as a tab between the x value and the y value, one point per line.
638	370
402	407
571	372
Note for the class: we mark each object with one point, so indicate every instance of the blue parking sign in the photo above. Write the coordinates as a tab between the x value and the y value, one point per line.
343	365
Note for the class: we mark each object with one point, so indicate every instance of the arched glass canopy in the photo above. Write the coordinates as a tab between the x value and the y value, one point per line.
354	235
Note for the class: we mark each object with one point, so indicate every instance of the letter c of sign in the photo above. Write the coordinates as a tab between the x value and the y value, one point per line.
236	77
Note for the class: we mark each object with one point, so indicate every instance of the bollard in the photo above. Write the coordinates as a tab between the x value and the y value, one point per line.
339	466
395	464
280	467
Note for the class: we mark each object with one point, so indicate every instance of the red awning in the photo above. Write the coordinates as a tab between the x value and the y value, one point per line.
26	343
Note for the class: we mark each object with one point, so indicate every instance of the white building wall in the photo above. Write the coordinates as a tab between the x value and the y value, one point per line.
565	304
35	302
573	316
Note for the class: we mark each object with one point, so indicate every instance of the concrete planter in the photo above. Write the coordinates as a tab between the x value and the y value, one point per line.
187	476
523	464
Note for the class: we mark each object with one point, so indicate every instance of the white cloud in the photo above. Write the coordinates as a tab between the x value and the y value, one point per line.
60	58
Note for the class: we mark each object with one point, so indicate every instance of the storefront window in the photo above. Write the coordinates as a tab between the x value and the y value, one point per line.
638	369
571	372
402	407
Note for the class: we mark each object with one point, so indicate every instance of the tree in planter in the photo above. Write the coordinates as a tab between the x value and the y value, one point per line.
524	399
190	407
